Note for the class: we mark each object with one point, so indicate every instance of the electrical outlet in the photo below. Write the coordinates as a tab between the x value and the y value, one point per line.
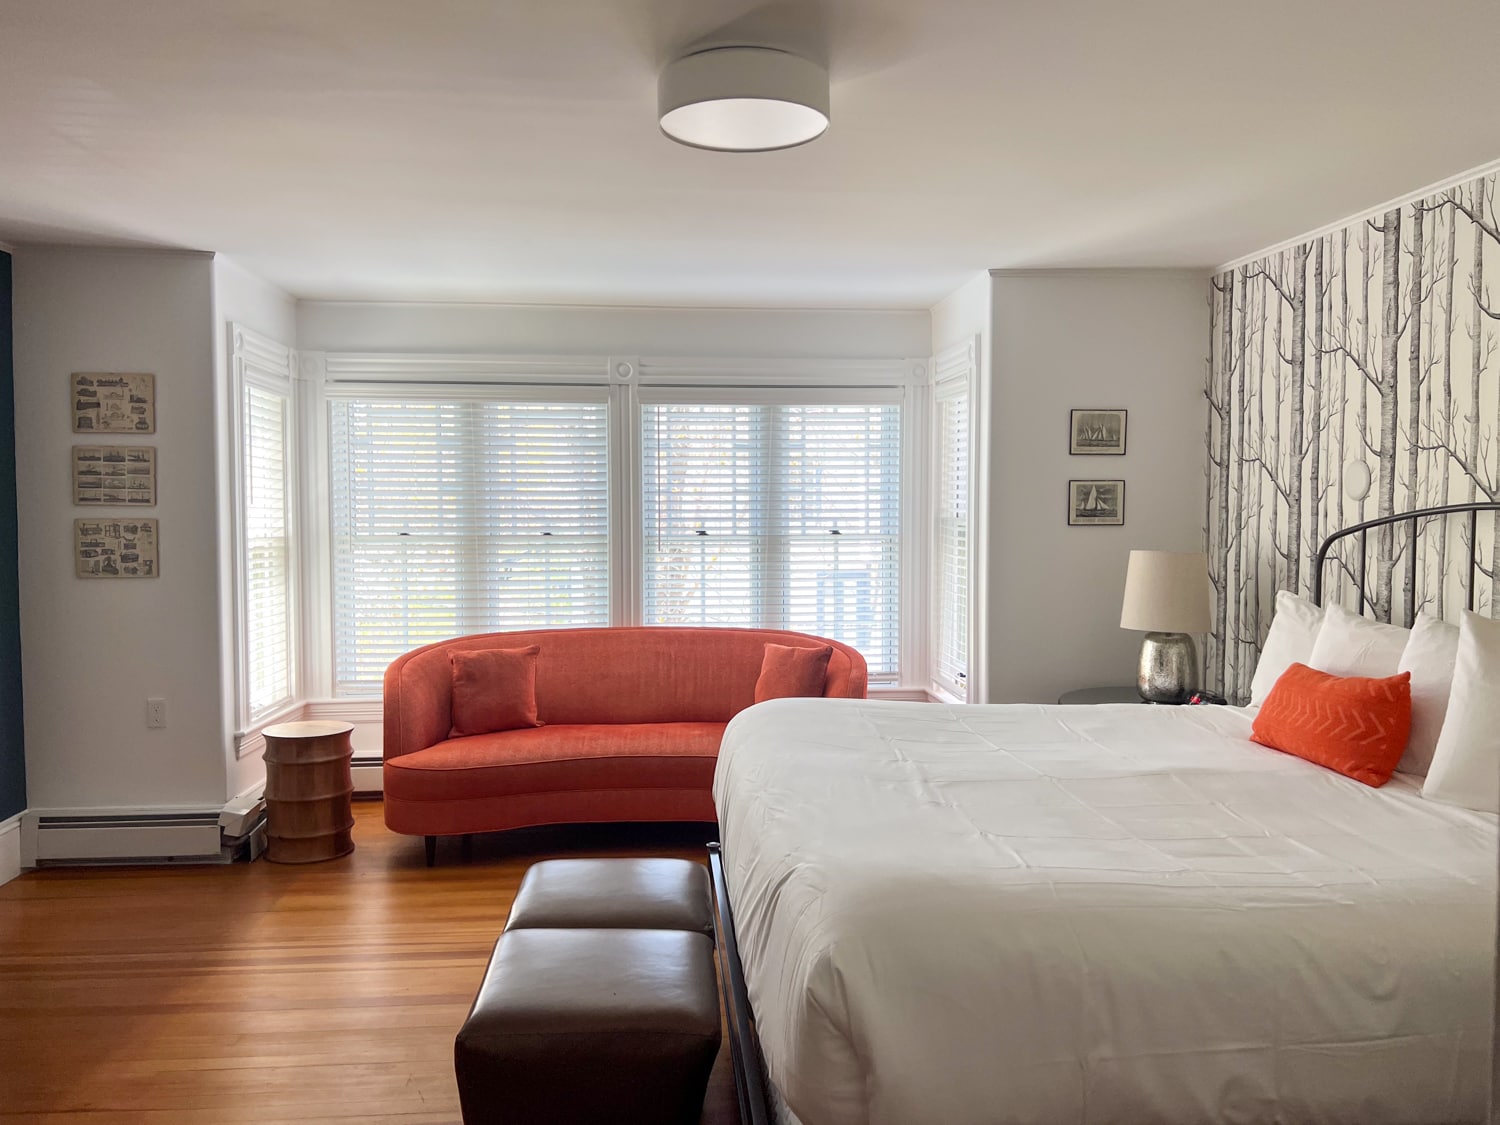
156	713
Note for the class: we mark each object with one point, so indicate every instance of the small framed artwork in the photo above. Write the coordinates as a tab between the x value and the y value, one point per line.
114	474
1097	432
115	547
1096	503
107	402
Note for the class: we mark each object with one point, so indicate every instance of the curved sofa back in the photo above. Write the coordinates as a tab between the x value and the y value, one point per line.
608	675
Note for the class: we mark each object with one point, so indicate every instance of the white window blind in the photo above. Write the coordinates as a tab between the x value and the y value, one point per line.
462	517
267	519
951	564
781	516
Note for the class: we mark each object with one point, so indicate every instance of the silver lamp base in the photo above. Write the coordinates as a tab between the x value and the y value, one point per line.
1169	668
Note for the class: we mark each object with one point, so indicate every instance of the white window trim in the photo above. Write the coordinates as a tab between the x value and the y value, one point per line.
916	514
626	381
259	361
317	545
955	372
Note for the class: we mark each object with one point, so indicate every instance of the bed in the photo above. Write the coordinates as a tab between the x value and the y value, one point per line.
1047	914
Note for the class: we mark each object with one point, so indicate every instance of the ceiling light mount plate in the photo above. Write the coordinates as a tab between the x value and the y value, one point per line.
743	99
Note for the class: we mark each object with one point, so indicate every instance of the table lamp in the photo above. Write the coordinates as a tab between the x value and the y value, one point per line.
1167	595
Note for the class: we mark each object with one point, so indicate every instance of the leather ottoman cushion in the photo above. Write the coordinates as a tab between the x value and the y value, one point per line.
645	894
575	1026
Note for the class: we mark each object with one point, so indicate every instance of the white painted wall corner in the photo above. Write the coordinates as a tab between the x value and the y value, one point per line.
10	848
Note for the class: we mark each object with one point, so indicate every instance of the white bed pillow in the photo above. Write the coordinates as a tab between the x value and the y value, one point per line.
1294	629
1466	767
1349	645
1429	657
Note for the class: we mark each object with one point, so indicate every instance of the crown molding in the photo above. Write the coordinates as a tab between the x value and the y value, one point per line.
599	306
1121	273
92	248
1488	169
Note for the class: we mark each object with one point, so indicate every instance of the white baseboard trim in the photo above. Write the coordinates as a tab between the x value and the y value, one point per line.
10	848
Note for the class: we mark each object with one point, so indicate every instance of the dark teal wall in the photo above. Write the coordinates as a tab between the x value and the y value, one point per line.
12	753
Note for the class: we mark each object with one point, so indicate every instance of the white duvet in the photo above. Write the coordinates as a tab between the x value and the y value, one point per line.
1098	914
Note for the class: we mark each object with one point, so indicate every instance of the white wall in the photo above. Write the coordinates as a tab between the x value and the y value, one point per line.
240	298
1062	339
553	330
10	848
962	315
94	650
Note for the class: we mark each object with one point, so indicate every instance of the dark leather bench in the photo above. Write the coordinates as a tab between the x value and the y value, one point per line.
600	1002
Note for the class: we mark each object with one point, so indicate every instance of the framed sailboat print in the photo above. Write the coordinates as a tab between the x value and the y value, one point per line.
1097	432
1096	503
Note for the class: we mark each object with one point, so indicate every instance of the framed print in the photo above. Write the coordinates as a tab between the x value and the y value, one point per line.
109	547
1097	432
107	402
1096	503
114	474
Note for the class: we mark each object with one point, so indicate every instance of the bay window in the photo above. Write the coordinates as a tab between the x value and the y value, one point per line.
453	494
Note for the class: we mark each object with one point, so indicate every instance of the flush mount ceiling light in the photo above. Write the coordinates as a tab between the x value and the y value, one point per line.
743	99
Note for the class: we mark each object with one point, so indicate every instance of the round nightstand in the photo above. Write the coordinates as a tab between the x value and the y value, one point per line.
1088	696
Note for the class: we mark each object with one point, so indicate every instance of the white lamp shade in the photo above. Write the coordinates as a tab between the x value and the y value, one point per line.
1167	592
743	99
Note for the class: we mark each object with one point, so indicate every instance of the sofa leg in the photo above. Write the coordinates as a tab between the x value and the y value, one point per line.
431	842
468	846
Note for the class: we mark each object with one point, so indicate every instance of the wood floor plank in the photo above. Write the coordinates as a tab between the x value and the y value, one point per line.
258	993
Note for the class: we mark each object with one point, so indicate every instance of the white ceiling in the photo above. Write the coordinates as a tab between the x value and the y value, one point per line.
508	149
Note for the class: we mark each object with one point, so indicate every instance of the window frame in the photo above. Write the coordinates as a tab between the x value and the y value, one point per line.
437	393
264	364
955	375
896	396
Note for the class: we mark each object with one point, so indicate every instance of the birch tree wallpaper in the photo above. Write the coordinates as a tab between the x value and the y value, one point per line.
1350	377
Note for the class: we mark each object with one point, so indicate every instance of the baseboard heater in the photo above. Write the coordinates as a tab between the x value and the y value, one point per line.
368	778
175	837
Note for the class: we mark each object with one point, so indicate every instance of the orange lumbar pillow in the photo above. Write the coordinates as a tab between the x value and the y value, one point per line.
1352	724
787	671
494	689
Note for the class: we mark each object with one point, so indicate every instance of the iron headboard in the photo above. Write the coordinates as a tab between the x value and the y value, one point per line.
1413	517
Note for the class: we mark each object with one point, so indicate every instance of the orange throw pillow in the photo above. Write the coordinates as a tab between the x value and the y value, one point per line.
494	689
1352	724
786	672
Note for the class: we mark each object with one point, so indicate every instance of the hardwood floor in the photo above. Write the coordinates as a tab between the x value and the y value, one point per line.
263	993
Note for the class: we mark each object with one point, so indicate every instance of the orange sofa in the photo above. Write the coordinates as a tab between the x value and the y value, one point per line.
632	717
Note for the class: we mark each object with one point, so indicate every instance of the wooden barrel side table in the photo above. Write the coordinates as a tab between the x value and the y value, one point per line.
309	792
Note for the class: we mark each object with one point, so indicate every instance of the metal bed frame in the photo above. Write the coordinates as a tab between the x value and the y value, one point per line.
1414	518
751	1084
